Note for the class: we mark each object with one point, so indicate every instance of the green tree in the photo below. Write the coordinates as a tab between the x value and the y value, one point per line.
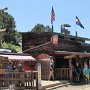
7	22
48	29
12	37
12	47
41	28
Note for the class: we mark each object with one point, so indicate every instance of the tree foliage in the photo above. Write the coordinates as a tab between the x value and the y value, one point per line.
12	37
7	22
41	28
12	47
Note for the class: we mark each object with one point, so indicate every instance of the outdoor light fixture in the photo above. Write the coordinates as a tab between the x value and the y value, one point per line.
64	30
67	25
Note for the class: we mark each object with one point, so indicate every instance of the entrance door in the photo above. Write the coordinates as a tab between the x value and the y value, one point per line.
61	68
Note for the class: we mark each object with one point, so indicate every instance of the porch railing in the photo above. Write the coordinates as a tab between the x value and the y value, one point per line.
62	73
20	80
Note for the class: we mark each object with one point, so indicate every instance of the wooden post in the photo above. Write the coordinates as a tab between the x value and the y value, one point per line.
39	76
70	69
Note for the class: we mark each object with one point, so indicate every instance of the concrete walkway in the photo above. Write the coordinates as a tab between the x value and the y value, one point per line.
48	85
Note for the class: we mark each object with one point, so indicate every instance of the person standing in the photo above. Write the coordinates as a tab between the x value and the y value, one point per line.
19	67
78	71
51	75
9	67
86	72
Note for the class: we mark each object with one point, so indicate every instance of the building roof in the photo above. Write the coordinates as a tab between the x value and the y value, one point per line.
44	57
60	34
68	54
71	36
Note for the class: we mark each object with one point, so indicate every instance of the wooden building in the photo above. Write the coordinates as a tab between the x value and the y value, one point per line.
70	49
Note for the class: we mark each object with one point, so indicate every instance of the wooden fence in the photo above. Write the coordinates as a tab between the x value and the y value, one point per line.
20	80
62	73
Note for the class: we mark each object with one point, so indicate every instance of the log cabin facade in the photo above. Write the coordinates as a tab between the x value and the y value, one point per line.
68	51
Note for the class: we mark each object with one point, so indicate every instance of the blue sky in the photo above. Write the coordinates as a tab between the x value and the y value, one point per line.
28	13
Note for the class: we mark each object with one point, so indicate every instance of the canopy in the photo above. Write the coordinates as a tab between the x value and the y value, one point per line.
18	57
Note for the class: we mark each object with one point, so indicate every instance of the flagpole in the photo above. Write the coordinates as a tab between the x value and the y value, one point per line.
76	33
75	30
53	50
52	33
52	42
52	19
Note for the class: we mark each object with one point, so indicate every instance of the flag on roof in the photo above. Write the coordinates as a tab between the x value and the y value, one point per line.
79	23
52	16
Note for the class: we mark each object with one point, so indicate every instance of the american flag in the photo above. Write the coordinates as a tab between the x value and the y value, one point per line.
52	16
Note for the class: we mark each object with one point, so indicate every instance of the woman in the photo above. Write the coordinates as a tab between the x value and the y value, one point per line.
86	72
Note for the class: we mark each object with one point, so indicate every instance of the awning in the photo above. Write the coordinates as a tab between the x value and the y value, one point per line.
18	57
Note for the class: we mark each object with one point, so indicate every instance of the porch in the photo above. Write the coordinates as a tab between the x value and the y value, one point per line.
64	62
62	73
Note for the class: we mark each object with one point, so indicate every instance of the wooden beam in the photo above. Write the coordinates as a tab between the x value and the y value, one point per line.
70	70
70	56
39	46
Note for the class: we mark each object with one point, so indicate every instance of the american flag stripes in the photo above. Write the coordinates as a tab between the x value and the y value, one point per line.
52	16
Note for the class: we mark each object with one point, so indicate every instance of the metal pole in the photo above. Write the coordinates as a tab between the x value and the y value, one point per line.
52	43
53	52
76	35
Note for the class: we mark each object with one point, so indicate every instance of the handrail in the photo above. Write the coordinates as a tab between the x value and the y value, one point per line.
28	79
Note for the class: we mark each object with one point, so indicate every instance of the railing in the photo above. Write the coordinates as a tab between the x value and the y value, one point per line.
20	80
62	73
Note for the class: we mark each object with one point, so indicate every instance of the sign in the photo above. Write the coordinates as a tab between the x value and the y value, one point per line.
55	40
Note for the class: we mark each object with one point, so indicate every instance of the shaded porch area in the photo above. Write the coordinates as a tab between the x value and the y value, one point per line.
64	62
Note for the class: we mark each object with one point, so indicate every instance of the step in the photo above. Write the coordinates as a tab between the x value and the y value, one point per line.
56	85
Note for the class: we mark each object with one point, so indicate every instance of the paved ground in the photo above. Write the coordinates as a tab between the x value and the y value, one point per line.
46	82
65	87
74	87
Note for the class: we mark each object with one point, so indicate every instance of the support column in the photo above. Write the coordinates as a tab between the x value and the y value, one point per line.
70	69
39	76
